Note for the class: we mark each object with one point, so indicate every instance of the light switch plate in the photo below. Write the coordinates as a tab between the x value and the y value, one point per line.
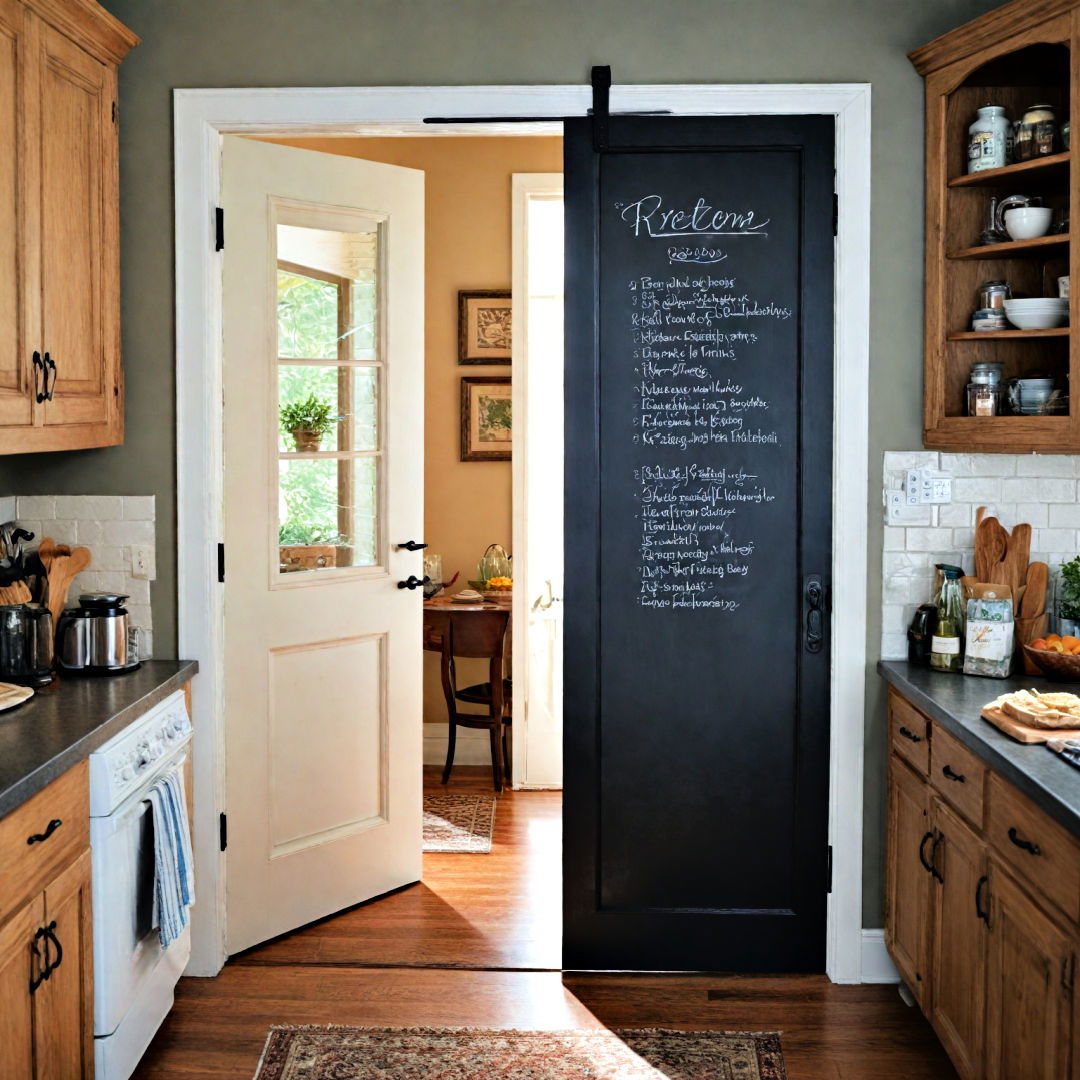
142	563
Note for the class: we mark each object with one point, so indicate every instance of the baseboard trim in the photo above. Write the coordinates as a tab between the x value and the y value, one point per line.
877	965
473	746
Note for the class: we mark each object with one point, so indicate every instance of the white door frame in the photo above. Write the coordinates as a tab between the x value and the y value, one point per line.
201	117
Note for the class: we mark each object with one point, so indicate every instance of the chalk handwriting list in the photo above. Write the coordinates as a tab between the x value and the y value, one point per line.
648	216
692	336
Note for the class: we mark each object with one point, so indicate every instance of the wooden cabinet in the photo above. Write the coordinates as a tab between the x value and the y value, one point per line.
61	385
46	948
1016	56
983	920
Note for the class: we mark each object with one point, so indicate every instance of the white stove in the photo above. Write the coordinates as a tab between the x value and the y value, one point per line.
134	976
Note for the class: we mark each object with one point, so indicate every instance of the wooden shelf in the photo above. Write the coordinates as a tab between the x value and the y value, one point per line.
993	335
1026	169
1011	249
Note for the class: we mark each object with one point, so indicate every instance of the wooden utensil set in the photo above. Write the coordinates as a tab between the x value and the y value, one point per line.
1001	566
47	576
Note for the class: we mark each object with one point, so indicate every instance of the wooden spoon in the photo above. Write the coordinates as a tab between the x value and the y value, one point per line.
1034	601
18	592
991	542
1015	562
61	572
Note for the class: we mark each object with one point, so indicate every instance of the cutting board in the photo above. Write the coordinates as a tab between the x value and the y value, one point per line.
1022	732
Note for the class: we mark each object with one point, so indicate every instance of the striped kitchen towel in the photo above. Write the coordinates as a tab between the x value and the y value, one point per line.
174	879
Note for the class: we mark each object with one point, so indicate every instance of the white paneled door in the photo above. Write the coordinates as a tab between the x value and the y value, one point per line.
323	330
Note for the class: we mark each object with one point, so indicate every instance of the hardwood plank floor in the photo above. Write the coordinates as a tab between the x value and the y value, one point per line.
416	958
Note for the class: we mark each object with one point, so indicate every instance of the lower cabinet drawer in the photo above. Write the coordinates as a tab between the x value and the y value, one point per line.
909	732
40	837
1040	852
957	775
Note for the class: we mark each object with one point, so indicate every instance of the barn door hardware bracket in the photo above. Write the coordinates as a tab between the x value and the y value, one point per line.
601	113
223	832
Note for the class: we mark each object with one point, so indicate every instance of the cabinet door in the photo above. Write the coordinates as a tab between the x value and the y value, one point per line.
961	933
908	881
1029	987
63	1005
18	264
16	969
79	266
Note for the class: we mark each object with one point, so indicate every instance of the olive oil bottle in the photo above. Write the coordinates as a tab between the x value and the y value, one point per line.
946	649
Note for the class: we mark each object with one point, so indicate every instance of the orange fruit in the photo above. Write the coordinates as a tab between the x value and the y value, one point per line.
1070	642
1052	638
1056	646
1038	643
1075	650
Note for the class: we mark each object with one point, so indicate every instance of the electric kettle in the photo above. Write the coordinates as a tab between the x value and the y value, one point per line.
92	639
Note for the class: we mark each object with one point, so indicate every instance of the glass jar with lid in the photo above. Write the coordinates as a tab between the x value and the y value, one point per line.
984	391
1036	134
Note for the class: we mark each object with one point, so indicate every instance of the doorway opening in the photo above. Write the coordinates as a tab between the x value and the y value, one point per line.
492	484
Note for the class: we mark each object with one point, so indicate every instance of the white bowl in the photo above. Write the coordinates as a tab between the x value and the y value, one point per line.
1028	222
1031	320
1021	303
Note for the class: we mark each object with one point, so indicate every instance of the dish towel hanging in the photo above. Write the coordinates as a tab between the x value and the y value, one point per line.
174	880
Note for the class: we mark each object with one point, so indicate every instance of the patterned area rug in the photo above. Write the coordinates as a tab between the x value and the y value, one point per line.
461	823
362	1053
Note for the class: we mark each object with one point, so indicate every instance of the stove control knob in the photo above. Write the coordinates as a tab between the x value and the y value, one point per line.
126	773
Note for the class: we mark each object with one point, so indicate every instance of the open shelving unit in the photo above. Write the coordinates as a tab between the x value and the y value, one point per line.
1029	60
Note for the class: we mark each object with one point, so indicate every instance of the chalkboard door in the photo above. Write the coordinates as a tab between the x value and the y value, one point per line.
699	308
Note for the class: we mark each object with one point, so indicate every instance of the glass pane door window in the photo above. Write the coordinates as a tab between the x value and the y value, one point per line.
329	396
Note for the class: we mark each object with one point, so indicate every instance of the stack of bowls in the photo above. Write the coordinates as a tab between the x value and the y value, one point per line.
1040	313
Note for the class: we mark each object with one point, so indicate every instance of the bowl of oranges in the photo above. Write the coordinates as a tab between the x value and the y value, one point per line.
1056	656
498	590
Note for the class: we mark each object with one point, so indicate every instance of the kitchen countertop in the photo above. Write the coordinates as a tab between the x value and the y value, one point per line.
955	701
63	722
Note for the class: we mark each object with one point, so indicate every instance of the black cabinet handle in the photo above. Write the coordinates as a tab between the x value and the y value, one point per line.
41	967
51	936
950	775
935	873
410	545
980	911
922	853
814	602
40	366
1024	845
49	364
910	735
40	837
413	582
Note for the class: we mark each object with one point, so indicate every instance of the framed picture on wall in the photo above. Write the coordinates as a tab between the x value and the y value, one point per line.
485	418
484	330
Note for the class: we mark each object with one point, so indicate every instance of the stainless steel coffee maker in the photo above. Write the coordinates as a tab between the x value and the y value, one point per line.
93	639
26	644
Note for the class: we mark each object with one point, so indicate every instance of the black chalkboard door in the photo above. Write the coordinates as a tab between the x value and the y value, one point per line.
699	308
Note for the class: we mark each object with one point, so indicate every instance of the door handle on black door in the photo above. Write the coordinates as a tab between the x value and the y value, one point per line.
413	582
814	605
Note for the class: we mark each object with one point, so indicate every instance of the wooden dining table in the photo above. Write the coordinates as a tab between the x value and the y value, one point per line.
479	610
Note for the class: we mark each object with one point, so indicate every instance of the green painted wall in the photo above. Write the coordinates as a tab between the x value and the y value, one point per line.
218	43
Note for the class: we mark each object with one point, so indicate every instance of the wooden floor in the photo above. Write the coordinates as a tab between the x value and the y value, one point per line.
419	957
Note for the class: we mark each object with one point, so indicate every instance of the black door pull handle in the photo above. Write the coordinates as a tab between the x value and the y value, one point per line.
39	365
410	545
50	365
51	936
814	602
413	582
980	911
922	853
910	735
950	775
39	837
1024	845
935	873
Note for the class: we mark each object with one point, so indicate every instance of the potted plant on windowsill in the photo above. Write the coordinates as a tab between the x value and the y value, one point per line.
307	422
1068	597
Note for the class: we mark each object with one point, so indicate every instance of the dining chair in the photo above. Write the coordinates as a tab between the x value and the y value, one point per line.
474	635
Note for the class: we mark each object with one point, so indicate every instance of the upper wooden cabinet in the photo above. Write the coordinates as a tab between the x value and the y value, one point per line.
61	385
1016	56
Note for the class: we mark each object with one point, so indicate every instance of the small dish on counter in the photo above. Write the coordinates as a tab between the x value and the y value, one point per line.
12	695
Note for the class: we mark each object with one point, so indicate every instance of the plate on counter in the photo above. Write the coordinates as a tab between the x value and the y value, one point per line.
12	695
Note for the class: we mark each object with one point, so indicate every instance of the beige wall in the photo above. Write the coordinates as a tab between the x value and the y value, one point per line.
467	246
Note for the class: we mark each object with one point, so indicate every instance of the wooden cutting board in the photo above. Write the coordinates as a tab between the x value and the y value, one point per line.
1022	732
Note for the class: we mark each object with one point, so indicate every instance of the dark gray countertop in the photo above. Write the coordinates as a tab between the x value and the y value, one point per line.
955	701
62	723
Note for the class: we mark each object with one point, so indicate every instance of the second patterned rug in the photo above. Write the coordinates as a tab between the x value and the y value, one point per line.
459	823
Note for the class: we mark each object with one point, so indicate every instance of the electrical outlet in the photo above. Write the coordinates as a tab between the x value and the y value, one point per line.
898	511
142	563
927	487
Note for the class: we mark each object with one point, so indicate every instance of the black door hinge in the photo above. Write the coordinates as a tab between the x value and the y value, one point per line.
221	562
114	112
219	228
828	871
835	214
223	831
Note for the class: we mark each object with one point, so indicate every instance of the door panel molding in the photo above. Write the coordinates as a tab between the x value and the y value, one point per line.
202	116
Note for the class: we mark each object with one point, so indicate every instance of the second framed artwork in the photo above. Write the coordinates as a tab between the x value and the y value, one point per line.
485	334
486	419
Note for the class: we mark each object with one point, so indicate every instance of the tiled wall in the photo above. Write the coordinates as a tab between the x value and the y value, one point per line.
1038	489
115	528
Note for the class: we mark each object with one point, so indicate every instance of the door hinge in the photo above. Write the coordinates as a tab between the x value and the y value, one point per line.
835	214
828	871
219	228
221	562
223	831
115	112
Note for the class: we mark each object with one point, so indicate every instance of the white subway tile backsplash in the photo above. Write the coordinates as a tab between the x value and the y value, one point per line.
977	489
1053	539
139	508
37	507
8	508
912	459
1064	515
1037	515
1018	489
894	646
929	539
978	464
1046	465
960	515
90	507
894	619
894	538
129	532
1056	489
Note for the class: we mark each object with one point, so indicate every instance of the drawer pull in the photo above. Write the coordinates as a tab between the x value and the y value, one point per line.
934	872
950	775
979	910
40	837
922	853
909	734
1024	845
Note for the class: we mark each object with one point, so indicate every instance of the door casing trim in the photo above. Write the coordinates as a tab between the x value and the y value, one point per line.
202	117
